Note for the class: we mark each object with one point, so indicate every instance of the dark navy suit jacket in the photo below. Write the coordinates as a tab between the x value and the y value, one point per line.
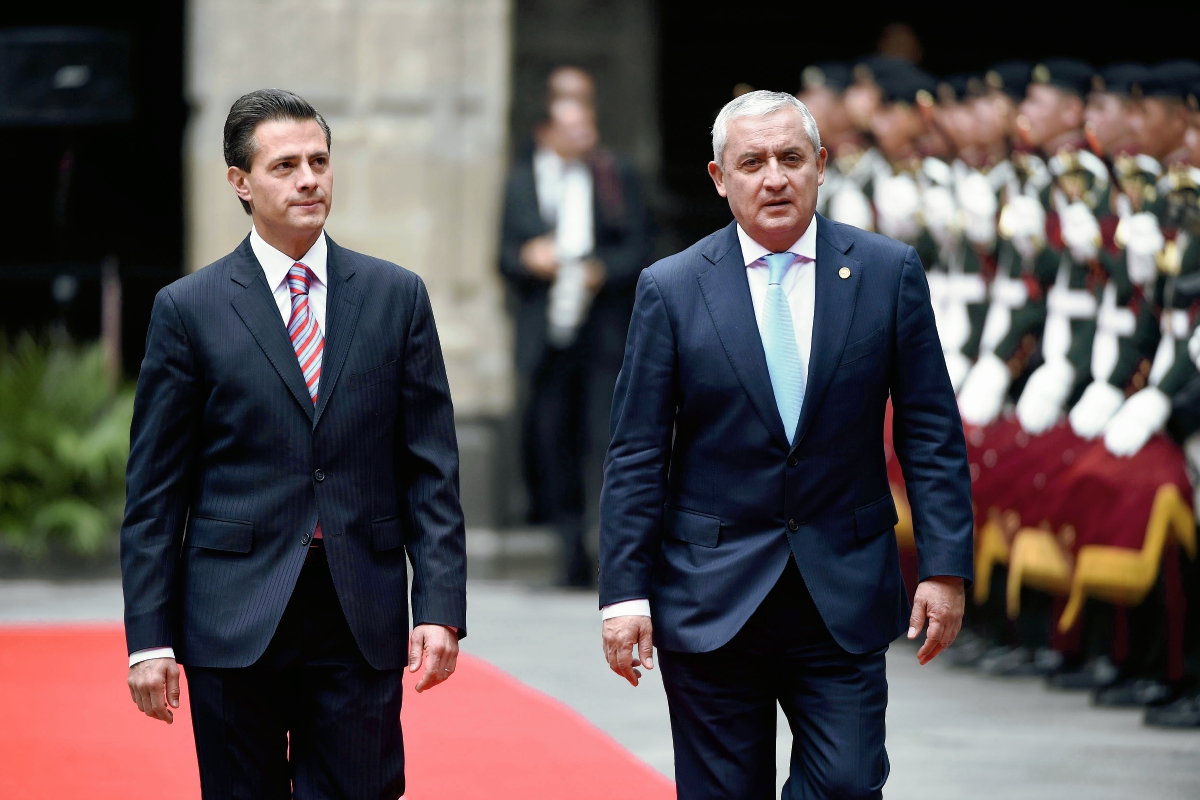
231	465
704	498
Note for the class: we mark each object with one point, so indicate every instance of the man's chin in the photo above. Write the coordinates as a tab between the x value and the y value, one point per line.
780	220
305	218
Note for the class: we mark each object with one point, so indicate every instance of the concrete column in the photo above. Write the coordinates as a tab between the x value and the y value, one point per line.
417	94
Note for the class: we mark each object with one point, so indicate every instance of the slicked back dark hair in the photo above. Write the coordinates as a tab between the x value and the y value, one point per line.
263	105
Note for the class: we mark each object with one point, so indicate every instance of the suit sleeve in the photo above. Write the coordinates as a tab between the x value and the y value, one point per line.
625	257
427	477
928	435
162	451
520	223
635	470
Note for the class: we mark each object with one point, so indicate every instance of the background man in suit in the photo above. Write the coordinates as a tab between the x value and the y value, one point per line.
574	239
293	436
746	502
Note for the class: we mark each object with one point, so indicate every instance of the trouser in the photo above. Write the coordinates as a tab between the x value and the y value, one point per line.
555	450
310	719
723	715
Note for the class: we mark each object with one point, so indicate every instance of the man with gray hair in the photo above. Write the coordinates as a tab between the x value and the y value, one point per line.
746	508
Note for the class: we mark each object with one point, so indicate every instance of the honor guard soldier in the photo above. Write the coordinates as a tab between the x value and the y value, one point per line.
898	125
852	161
1182	709
1126	329
959	206
1164	136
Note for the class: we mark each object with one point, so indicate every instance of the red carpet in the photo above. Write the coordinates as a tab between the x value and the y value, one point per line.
69	730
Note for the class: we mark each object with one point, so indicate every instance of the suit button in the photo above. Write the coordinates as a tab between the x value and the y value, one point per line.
793	461
319	475
793	526
305	539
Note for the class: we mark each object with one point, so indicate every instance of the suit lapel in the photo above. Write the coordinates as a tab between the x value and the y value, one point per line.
727	295
833	310
341	318
256	306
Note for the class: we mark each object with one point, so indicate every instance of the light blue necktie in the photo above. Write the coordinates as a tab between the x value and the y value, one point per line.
779	342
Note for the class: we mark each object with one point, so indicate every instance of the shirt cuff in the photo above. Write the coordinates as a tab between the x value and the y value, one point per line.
627	608
154	652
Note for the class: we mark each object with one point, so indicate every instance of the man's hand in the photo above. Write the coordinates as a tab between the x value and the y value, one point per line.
154	685
596	275
940	600
620	635
441	645
539	256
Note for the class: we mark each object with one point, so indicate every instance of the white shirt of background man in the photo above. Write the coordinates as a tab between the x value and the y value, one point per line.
800	287
275	266
564	194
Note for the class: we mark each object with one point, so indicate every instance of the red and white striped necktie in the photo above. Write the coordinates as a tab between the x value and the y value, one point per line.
306	335
303	329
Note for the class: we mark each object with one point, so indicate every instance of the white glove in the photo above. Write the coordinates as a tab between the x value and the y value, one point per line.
1080	231
1194	347
1141	416
1093	411
957	365
982	395
1042	398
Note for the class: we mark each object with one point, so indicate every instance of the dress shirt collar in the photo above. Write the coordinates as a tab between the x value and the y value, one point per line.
276	264
805	246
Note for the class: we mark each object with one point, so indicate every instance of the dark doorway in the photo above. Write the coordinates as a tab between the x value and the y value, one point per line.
76	195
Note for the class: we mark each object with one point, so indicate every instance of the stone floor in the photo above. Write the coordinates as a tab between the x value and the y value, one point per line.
951	734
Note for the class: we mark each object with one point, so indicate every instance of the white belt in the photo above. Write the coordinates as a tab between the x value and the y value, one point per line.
1175	323
1071	303
965	288
1009	292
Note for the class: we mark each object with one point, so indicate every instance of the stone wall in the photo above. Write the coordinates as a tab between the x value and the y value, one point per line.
416	93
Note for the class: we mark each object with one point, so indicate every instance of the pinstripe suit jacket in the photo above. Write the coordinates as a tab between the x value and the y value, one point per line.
705	498
231	465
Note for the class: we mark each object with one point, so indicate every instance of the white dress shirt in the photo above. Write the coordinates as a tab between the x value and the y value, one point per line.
276	266
800	287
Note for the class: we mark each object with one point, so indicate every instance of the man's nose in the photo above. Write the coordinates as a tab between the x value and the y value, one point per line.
773	177
305	177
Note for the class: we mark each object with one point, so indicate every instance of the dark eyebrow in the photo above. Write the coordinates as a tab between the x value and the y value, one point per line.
297	157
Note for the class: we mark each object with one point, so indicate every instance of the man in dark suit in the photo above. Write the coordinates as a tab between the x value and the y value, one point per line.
746	503
572	201
293	437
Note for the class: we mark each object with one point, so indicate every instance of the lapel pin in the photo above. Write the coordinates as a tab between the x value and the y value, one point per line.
844	273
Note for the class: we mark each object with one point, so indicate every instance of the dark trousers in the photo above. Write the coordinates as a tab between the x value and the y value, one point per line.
555	451
723	716
311	719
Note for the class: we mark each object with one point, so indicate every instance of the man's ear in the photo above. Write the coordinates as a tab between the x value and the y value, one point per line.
1075	108
237	178
822	158
718	177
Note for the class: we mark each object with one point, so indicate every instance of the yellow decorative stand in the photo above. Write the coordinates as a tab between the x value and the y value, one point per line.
904	528
1039	561
1124	576
992	550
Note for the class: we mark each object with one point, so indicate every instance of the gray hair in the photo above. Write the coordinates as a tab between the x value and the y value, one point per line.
757	104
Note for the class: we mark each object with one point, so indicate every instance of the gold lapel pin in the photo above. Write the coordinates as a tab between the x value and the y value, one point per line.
844	273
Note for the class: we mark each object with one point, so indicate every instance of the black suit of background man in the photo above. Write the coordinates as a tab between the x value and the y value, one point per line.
565	394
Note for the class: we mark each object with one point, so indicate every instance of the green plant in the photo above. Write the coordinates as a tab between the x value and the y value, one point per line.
64	441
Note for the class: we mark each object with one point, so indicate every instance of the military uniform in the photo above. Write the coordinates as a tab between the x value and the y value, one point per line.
850	165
